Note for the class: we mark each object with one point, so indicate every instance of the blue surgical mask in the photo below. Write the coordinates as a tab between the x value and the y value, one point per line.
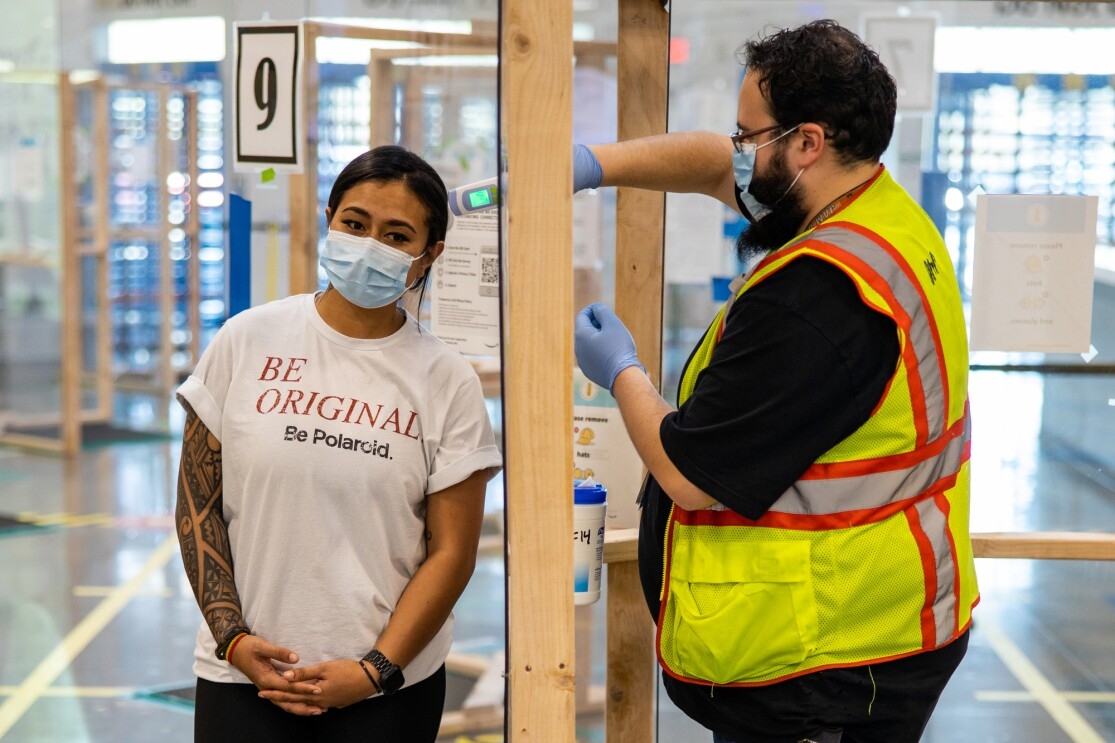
365	271
743	164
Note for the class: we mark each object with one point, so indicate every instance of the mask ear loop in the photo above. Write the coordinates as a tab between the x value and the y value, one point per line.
420	283
796	177
789	187
419	279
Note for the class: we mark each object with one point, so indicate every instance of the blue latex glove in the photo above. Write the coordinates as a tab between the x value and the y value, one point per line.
586	169
603	345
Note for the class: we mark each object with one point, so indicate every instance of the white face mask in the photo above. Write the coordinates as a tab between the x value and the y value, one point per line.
365	271
743	166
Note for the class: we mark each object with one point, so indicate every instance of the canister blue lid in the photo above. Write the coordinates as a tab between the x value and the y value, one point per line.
589	492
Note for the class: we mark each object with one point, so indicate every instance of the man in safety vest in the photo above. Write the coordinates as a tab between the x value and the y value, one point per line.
804	542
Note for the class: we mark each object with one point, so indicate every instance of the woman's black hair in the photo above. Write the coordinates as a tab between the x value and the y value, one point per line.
390	163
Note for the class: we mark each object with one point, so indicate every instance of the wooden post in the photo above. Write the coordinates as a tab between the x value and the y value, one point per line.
303	186
381	74
101	210
193	229
1045	545
642	80
621	545
92	245
166	159
70	279
412	125
536	110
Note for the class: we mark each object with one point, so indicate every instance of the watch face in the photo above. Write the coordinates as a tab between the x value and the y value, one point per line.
390	675
391	681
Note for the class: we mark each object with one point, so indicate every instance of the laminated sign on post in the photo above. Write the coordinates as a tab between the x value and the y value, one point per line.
603	451
267	104
465	282
1033	273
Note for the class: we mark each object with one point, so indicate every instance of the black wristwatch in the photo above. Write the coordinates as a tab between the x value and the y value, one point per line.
390	675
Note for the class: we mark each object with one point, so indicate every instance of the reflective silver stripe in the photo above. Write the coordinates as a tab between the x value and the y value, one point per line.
909	297
835	495
935	525
887	486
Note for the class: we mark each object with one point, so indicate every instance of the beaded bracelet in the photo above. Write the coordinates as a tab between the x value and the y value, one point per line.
232	634
232	645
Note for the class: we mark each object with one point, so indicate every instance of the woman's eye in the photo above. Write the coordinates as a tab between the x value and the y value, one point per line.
397	237
353	225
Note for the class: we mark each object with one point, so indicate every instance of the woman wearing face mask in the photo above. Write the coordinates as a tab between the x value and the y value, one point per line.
331	486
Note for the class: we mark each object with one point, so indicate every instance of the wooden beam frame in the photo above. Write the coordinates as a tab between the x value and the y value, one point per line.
166	375
621	545
193	227
1045	545
304	207
536	97
642	85
70	265
303	186
93	244
77	243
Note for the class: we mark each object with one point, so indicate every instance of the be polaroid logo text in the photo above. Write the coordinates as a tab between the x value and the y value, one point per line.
336	441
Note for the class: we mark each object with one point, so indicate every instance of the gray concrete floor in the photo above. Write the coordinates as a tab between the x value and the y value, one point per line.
97	620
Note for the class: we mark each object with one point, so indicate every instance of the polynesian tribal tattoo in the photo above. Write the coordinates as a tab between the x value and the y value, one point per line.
202	532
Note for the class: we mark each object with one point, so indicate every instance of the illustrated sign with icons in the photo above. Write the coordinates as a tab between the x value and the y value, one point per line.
1033	273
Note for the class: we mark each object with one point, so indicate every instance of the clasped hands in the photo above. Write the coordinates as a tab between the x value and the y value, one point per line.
309	690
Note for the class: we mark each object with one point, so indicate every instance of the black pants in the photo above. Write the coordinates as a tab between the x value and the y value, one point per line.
234	713
888	702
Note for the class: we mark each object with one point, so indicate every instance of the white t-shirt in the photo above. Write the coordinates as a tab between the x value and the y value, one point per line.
330	446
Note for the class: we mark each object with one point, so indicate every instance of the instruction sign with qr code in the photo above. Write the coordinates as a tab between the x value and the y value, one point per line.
464	285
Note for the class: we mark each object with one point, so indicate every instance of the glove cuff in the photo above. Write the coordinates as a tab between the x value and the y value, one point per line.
635	362
587	172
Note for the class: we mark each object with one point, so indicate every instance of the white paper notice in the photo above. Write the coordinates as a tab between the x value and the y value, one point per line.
603	451
1033	273
465	285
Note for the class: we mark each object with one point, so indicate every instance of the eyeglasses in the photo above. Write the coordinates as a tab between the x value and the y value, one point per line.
739	139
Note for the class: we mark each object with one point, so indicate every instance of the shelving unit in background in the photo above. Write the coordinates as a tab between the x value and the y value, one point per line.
140	195
165	225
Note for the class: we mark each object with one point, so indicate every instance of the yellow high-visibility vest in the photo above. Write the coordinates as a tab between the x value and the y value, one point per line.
867	557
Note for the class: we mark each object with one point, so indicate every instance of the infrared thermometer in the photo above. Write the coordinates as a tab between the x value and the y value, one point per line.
474	197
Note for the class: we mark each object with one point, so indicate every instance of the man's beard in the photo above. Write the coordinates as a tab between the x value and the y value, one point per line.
787	214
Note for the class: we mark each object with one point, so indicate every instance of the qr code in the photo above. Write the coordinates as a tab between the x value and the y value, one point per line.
489	270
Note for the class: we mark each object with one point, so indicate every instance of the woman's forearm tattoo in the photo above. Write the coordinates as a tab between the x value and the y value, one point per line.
202	531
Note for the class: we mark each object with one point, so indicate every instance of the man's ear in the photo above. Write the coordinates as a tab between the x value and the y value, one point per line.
813	144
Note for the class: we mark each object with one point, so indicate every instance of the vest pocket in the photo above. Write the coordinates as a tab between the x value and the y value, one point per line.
741	610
